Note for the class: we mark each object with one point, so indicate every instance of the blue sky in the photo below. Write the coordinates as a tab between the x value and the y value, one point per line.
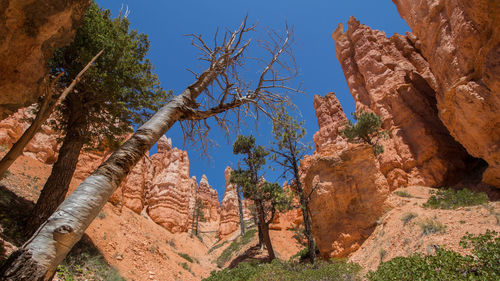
166	23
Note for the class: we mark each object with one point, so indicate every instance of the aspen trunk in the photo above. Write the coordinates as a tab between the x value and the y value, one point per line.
46	249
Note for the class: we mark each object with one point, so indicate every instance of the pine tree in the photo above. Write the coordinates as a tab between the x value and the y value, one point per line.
367	129
118	91
267	197
287	149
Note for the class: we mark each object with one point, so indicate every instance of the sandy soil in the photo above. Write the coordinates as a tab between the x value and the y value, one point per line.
393	237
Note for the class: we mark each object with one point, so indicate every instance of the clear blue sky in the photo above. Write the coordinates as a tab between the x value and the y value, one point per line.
166	23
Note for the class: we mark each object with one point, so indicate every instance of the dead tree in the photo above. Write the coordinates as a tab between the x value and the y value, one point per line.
217	92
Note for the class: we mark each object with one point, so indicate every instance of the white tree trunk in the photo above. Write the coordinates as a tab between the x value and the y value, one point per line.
47	248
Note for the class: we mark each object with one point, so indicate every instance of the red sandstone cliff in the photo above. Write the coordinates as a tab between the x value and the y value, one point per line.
460	40
389	77
30	31
437	93
349	189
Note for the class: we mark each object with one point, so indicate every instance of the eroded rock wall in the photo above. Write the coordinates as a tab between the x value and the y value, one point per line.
43	146
30	31
460	39
390	77
348	197
210	200
229	211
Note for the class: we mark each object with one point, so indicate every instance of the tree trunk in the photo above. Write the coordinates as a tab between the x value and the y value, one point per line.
47	248
240	207
307	224
265	230
57	185
18	147
259	232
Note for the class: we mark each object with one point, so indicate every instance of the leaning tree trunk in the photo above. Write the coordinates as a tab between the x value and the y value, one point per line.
18	147
57	185
240	207
265	230
46	107
46	249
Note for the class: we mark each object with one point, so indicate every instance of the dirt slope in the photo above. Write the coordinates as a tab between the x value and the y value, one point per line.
393	237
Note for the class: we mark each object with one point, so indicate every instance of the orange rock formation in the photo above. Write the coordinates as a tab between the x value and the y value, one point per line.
349	189
30	32
229	212
44	144
389	76
461	42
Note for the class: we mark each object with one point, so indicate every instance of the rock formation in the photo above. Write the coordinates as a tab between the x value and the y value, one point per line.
389	76
30	32
348	197
348	189
229	212
43	146
210	200
461	42
171	188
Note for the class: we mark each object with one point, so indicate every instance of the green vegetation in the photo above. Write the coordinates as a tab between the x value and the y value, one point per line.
403	193
171	243
185	266
120	90
102	215
407	217
267	197
367	129
217	246
186	257
287	149
452	199
430	226
235	246
85	262
289	271
483	264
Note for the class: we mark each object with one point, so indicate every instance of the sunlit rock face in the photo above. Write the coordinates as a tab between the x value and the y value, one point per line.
30	31
171	188
43	146
229	211
347	198
331	119
390	77
409	82
348	189
209	199
461	42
